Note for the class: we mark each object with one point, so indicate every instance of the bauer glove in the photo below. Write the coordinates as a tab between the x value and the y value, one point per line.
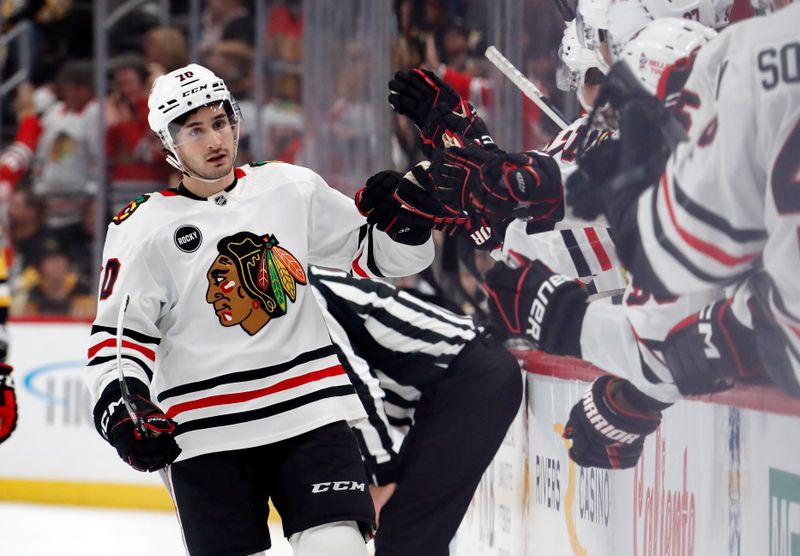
8	403
535	303
154	449
609	423
494	184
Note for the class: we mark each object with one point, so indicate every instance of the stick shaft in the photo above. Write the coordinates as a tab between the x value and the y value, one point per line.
126	394
525	85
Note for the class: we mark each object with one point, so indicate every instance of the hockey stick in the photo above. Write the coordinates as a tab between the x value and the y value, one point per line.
526	86
127	399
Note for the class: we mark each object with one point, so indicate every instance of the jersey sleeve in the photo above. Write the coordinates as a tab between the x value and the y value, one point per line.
130	265
703	225
341	238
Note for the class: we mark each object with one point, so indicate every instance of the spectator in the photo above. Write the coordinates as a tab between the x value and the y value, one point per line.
65	162
27	231
58	289
165	50
225	20
135	162
409	46
285	32
282	119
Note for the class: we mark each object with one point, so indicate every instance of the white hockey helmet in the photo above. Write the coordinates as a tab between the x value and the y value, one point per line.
574	61
660	44
181	91
591	22
627	17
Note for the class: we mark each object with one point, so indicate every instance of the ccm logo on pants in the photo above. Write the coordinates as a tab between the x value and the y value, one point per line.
336	485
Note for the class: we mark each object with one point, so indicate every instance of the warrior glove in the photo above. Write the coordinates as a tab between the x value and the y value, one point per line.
609	424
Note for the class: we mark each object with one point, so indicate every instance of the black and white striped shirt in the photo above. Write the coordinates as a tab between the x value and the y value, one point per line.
393	345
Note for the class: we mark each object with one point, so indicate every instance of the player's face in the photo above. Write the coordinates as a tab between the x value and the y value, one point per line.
225	293
206	144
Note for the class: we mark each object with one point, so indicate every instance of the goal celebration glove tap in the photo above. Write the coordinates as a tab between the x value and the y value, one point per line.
442	116
154	449
8	403
533	302
495	184
405	206
609	424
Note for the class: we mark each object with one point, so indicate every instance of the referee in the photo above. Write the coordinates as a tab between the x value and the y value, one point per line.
440	394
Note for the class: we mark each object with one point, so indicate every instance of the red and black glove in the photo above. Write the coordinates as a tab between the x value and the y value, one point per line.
8	403
403	207
609	424
533	302
154	449
495	184
710	350
442	116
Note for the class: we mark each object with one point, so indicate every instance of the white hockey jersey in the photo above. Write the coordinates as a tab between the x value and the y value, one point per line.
222	324
729	201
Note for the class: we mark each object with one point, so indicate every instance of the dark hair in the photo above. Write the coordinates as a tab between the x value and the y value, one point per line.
134	62
76	72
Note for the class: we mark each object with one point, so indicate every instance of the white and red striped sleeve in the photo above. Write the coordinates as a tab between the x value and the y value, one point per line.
126	269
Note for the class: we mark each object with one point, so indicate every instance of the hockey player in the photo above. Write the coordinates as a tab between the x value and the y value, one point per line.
239	395
550	309
440	394
690	233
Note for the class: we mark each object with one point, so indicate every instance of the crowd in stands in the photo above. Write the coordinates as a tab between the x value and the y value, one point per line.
51	145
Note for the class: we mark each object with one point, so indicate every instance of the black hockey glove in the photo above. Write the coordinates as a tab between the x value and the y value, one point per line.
149	452
609	424
442	116
708	351
533	302
404	206
8	403
495	184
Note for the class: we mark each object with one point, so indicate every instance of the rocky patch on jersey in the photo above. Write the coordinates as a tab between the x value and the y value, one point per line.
129	209
252	280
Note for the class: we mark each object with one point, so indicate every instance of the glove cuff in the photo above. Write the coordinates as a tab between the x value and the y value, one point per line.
562	336
627	418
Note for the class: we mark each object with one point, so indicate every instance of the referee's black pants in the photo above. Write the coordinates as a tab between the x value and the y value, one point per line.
459	424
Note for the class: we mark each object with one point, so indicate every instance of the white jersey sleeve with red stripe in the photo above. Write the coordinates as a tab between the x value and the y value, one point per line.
627	339
587	253
729	201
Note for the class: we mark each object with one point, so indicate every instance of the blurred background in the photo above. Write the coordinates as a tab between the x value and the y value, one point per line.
310	76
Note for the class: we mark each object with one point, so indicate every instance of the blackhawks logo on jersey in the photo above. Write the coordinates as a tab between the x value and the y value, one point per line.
129	209
252	280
